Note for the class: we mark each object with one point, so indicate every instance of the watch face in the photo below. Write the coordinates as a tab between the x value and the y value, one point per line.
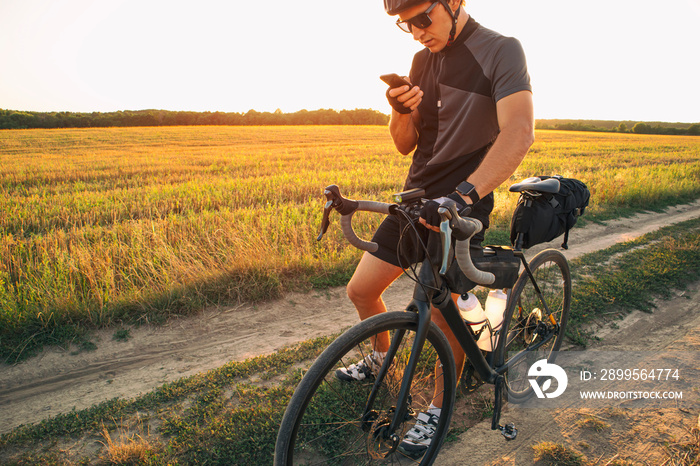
467	189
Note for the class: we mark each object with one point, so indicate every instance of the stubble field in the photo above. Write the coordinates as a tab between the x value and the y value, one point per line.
124	225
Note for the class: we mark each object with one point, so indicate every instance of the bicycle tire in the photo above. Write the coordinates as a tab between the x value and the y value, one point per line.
315	430
525	312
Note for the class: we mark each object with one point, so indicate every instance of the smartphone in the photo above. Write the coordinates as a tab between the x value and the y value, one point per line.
394	80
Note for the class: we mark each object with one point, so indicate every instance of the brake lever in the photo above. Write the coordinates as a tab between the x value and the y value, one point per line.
332	194
326	221
335	201
450	219
446	242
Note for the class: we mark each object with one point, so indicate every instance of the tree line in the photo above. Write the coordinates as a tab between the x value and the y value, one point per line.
622	127
14	119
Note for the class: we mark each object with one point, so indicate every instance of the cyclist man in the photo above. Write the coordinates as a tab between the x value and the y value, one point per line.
468	114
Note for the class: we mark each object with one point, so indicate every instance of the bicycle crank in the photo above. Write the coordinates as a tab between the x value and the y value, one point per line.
508	431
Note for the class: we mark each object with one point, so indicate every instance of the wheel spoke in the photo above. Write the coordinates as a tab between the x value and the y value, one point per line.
327	413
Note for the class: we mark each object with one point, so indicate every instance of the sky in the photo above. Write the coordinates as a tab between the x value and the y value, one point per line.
599	59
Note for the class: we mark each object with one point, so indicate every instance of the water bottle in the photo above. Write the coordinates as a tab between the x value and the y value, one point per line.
472	313
471	310
495	307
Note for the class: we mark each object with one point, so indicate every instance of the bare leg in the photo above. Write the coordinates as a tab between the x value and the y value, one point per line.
365	289
371	278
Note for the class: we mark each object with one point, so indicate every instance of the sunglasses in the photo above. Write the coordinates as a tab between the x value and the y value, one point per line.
420	21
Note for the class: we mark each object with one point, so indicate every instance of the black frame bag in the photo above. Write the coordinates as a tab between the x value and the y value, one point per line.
541	217
499	260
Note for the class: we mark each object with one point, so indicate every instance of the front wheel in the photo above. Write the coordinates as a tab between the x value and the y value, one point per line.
328	421
535	319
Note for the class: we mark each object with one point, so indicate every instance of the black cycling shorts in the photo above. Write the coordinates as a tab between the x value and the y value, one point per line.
410	250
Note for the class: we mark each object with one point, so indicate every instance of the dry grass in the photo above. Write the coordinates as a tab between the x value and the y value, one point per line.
127	449
687	451
558	454
110	225
593	423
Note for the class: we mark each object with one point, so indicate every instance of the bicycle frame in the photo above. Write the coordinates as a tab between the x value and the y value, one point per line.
381	412
441	298
431	289
429	279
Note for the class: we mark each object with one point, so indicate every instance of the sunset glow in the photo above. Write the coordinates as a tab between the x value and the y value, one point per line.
597	60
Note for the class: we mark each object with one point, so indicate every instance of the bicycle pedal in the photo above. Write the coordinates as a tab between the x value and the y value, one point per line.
509	431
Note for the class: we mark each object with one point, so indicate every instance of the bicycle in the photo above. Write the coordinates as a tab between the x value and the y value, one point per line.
329	421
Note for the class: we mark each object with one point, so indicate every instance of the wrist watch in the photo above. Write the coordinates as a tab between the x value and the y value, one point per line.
467	189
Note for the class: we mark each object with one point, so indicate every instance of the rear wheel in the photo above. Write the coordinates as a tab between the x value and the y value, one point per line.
328	421
535	321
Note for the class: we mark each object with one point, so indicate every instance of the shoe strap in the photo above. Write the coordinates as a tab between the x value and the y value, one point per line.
427	418
424	427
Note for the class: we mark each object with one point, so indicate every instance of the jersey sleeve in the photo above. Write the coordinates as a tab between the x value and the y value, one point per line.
510	70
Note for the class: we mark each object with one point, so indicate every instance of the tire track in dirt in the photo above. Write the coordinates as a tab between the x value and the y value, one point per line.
59	380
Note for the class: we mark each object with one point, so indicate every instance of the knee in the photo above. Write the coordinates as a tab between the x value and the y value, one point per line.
355	293
361	296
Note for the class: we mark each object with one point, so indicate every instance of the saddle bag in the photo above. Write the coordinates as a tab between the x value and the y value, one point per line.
547	216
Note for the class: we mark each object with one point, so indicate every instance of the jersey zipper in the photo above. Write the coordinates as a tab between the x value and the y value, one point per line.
441	63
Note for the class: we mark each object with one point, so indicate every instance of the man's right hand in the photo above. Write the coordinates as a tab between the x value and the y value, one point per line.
404	99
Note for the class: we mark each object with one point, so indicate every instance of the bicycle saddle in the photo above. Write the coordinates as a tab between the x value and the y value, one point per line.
535	183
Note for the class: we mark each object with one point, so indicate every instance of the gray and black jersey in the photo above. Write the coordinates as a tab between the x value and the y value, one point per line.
461	85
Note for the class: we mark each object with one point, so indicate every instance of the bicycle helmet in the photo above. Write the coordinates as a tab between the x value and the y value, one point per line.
394	7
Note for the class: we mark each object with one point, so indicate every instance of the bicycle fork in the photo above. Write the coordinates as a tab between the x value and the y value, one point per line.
387	429
402	410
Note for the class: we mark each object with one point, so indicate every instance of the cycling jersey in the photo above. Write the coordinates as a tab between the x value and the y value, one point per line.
461	85
458	124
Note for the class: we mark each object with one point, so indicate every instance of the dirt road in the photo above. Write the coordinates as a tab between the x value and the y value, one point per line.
59	380
620	430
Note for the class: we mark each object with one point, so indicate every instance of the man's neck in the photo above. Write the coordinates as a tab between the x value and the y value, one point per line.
461	21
